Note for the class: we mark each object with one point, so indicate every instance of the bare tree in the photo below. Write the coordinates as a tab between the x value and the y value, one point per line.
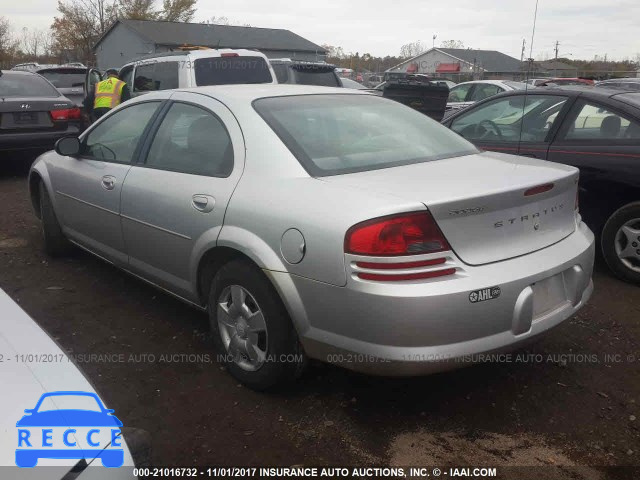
412	49
452	44
222	20
8	44
34	42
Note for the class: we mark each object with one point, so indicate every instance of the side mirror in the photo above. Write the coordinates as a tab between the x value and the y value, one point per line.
29	410
68	146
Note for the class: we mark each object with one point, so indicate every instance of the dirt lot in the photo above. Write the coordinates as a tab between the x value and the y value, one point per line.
578	410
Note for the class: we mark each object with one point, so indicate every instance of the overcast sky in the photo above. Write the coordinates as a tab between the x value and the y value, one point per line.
584	28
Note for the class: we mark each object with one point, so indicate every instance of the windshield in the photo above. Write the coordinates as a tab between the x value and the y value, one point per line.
64	78
25	85
336	134
231	70
69	402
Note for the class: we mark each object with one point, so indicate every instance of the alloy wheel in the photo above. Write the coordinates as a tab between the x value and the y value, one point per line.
627	244
242	327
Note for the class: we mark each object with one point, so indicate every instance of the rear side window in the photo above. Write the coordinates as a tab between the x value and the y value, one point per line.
192	140
156	76
25	85
597	124
231	70
64	78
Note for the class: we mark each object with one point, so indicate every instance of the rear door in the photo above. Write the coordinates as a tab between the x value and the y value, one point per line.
174	200
88	187
604	143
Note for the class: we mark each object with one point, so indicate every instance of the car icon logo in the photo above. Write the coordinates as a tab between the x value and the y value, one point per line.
51	430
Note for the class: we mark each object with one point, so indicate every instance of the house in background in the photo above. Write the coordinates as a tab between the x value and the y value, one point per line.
127	40
462	64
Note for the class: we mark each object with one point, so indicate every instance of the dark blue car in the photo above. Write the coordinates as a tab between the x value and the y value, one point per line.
98	419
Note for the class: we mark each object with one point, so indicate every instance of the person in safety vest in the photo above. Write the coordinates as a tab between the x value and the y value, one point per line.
108	94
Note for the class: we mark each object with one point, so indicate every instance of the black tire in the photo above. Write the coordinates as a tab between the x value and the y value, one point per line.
55	243
282	339
623	215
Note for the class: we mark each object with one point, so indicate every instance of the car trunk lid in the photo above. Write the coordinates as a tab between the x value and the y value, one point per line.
21	114
479	201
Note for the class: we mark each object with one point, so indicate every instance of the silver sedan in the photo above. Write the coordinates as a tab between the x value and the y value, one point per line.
322	223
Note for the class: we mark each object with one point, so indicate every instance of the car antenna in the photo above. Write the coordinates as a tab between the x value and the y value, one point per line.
529	65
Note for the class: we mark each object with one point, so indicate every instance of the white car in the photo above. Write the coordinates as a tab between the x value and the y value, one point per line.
467	93
35	368
193	68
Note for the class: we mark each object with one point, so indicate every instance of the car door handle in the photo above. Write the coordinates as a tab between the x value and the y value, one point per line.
108	182
203	203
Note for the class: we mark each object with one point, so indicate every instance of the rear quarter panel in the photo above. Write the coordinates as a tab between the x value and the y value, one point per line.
275	194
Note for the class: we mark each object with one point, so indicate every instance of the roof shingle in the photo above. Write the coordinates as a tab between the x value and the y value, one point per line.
221	36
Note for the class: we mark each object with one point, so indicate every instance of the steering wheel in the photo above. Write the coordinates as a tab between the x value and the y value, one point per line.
492	126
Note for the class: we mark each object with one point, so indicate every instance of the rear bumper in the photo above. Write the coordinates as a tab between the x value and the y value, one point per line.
422	327
35	140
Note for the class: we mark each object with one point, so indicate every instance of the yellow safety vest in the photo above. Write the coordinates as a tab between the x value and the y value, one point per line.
108	93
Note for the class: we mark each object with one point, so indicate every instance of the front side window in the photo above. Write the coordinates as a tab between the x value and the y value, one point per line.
116	138
156	76
336	134
231	70
515	118
125	74
192	140
596	123
459	92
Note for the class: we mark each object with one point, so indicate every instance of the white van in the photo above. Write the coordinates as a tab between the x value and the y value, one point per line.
194	68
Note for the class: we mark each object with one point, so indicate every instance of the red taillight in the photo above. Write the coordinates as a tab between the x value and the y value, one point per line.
229	55
405	234
539	189
65	114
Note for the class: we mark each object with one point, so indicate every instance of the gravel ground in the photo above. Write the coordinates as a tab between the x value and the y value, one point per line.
539	409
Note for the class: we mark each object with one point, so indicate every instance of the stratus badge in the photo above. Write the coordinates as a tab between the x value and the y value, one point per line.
484	294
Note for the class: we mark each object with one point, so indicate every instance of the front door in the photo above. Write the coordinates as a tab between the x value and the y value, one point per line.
175	199
87	188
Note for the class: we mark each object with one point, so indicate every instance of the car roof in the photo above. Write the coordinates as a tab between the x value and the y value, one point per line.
61	67
17	72
253	92
196	54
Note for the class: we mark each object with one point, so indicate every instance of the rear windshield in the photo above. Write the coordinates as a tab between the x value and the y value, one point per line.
337	134
64	78
310	75
231	70
25	85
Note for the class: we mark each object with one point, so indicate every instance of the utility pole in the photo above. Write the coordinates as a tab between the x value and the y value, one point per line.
557	46
524	42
